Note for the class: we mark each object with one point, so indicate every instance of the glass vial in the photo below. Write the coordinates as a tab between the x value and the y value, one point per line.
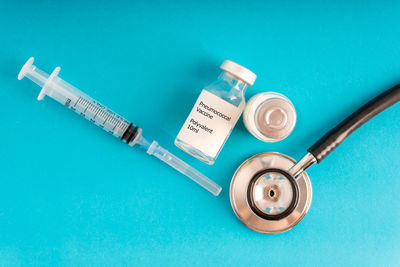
215	113
269	116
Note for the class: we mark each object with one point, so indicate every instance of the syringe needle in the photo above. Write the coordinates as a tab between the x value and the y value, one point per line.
71	97
159	152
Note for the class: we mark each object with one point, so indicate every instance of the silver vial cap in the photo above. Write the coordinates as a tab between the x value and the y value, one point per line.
269	116
239	71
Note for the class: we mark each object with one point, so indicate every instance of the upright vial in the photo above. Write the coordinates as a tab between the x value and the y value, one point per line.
215	113
269	116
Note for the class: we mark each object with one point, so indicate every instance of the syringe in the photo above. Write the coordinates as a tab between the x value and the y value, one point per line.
105	118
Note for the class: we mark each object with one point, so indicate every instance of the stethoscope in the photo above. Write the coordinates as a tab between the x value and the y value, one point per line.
271	193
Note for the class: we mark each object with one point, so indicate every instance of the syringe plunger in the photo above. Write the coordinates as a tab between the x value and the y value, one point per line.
74	99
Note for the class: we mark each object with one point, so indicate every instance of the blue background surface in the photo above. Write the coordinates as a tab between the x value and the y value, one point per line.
71	195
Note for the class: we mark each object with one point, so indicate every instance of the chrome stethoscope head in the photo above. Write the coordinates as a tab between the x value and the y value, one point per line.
271	193
266	196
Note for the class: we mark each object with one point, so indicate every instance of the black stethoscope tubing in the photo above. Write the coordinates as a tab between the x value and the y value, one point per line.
338	134
316	153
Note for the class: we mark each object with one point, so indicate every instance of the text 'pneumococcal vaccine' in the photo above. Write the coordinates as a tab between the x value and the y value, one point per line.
215	113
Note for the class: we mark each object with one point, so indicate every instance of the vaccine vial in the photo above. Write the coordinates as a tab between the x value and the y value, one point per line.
269	116
215	113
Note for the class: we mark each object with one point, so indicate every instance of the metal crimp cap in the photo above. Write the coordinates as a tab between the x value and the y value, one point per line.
239	71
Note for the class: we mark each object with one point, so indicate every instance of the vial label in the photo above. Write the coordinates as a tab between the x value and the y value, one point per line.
209	123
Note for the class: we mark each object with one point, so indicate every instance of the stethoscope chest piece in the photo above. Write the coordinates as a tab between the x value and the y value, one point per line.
265	197
270	193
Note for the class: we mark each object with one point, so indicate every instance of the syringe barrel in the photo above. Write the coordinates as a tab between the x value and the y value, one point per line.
76	100
89	108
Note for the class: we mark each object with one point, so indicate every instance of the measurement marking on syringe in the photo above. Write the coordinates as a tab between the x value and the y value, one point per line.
85	104
80	100
96	114
113	121
92	107
117	125
77	102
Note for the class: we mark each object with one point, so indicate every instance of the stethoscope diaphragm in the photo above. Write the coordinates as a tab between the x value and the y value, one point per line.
265	197
271	193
